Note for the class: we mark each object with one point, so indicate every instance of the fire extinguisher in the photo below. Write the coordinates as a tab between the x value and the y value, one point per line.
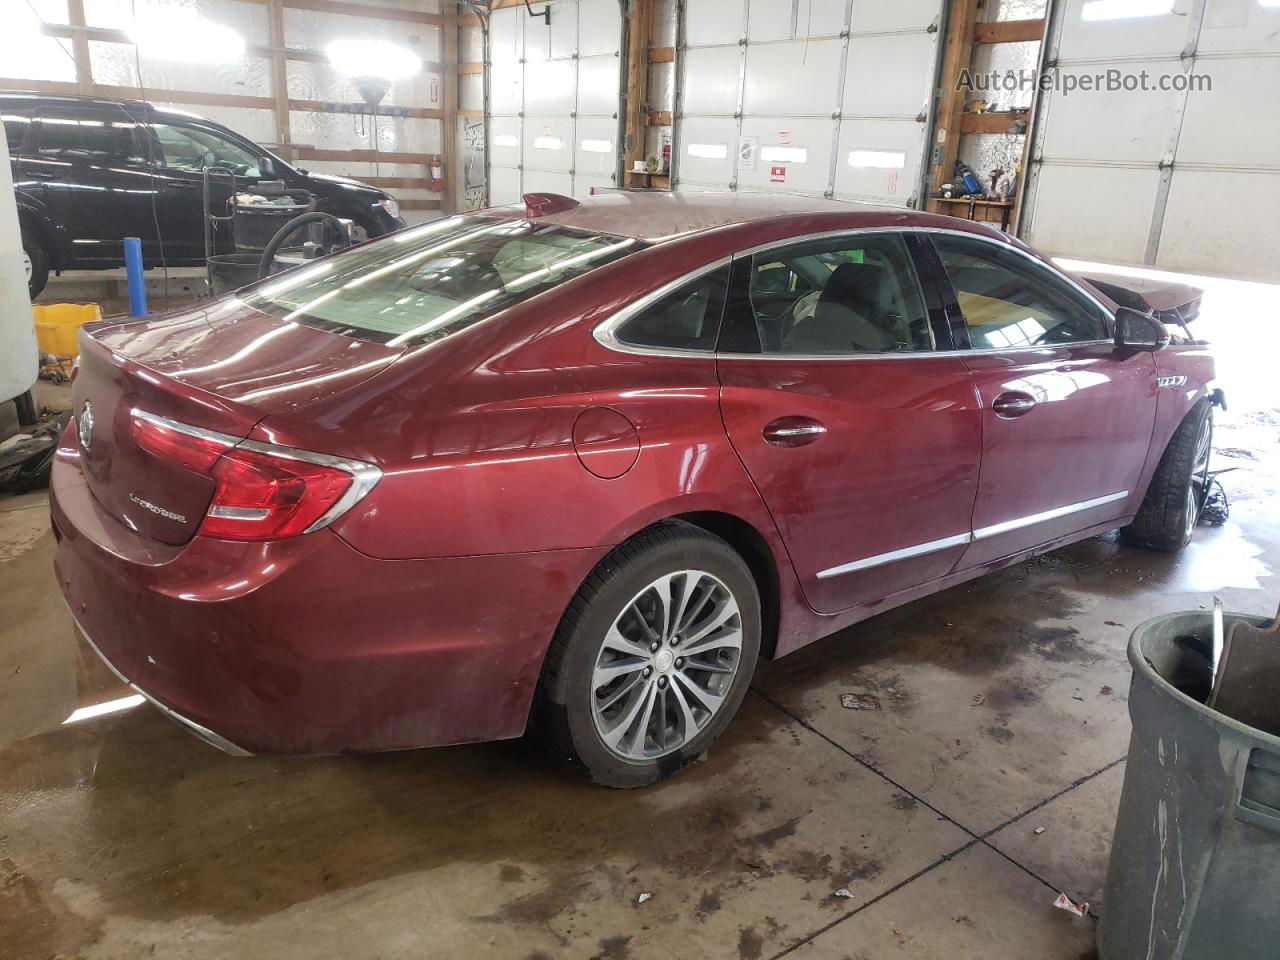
437	175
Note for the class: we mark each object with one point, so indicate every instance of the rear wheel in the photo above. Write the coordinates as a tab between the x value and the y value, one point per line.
36	263
653	657
1171	508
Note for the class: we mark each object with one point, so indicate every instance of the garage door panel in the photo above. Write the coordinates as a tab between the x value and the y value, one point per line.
1197	236
906	60
771	20
1162	35
708	150
1243	88
887	163
793	77
788	137
548	143
598	86
582	186
599	29
713	21
876	16
504	141
504	185
1110	221
506	89
506	38
548	87
596	148
1098	125
710	81
1235	25
547	181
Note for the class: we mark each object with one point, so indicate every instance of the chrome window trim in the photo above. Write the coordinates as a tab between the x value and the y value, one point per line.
364	476
961	539
604	331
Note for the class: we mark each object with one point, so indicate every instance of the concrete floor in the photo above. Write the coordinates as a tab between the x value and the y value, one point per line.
990	710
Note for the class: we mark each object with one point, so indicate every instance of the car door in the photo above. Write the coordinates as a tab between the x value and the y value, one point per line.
858	427
1066	418
96	181
181	152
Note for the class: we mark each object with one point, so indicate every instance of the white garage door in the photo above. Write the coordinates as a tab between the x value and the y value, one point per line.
822	97
1183	178
553	99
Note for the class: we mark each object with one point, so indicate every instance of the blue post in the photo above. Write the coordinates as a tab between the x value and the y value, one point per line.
133	271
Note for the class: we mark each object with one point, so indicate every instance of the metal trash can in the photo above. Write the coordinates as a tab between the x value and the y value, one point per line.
231	271
254	224
1195	862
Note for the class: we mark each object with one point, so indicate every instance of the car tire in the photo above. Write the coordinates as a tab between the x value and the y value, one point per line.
1169	512
582	714
36	263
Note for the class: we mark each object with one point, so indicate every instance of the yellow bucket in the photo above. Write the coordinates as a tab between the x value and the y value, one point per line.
58	323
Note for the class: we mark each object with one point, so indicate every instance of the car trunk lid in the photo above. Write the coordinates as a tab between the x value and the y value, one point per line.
221	369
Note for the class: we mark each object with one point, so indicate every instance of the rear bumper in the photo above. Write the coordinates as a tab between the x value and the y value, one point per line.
306	646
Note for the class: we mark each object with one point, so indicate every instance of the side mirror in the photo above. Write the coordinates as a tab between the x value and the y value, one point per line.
1139	332
267	167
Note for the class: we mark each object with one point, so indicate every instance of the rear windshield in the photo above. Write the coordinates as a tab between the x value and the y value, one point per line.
427	282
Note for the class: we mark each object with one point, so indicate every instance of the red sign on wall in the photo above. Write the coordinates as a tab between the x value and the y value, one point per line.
777	174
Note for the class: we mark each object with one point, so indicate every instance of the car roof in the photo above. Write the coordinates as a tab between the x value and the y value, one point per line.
660	215
18	99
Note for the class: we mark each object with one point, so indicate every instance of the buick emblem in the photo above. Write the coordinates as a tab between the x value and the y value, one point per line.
84	424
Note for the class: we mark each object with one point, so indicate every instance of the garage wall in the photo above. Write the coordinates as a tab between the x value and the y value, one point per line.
1184	180
328	123
554	95
807	96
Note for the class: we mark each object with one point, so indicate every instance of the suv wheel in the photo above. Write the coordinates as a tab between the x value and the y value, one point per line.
653	657
1169	512
36	263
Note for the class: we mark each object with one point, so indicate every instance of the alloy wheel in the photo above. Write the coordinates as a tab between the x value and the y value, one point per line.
666	665
1198	488
26	265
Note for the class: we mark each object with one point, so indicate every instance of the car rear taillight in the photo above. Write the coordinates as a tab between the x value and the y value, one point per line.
264	491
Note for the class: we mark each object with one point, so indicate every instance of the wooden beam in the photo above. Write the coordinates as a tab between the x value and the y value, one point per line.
279	75
662	54
956	55
1009	31
470	69
360	10
320	106
994	122
452	159
419	203
365	156
402	183
80	47
659	118
639	28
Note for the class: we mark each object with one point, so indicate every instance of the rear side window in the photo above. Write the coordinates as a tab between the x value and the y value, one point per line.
688	318
66	134
428	282
1009	301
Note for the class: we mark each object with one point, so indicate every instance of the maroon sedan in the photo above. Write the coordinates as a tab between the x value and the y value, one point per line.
581	464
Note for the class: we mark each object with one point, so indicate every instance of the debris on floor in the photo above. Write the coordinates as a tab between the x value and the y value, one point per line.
1216	507
644	898
1038	830
1066	903
25	458
859	701
844	893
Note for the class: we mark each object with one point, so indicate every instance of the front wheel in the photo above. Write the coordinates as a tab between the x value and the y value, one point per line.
36	263
653	657
1169	512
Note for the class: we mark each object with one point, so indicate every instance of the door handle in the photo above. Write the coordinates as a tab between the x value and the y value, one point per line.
1009	406
182	185
39	175
793	431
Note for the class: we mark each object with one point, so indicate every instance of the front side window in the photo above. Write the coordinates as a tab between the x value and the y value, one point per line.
688	318
850	295
430	281
194	148
75	136
1008	301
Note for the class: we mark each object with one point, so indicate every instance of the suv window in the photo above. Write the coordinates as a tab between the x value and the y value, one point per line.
1009	301
15	129
834	297
688	318
64	133
194	148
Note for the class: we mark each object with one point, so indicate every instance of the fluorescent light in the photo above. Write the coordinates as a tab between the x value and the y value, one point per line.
546	143
505	140
597	146
784	154
107	706
372	58
878	159
178	33
1125	9
708	151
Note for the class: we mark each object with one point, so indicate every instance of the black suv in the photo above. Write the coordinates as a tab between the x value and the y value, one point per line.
88	172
